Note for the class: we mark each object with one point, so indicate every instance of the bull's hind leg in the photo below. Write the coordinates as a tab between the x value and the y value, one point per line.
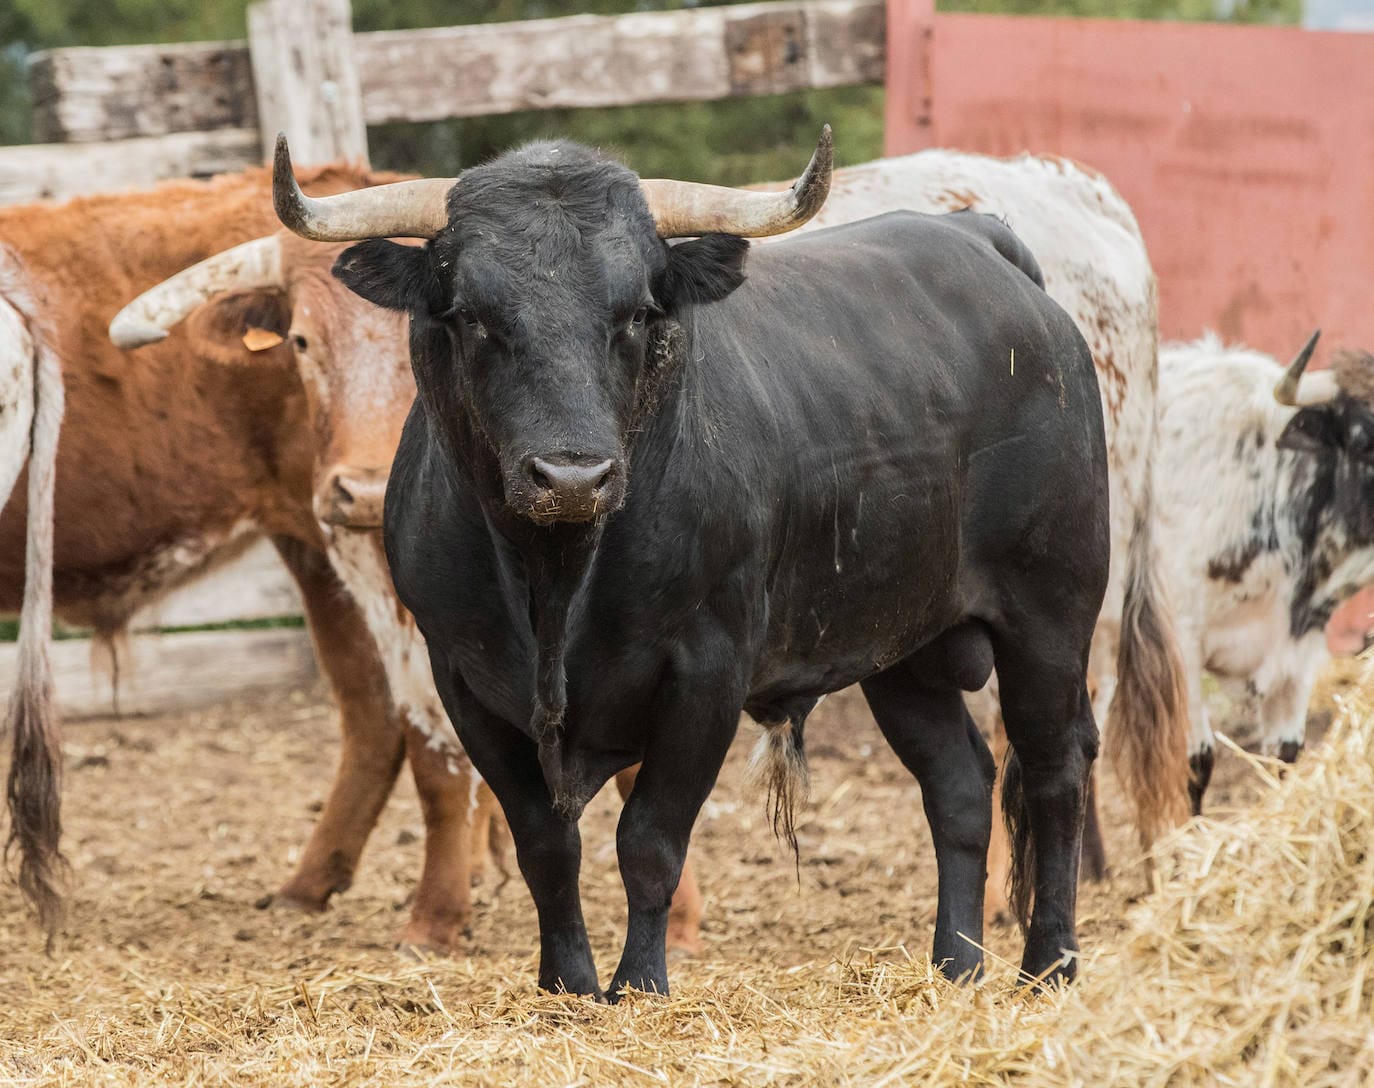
1053	742
934	736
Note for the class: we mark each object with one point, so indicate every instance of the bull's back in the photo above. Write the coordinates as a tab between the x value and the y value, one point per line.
928	410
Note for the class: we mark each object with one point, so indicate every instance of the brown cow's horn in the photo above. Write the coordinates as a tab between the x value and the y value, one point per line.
148	318
403	209
685	209
1296	390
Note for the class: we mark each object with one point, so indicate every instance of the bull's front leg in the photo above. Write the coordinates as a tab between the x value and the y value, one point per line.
692	734
548	847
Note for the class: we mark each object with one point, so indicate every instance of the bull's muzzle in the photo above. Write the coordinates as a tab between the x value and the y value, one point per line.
563	488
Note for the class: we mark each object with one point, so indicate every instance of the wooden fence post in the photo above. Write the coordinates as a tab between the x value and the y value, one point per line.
306	78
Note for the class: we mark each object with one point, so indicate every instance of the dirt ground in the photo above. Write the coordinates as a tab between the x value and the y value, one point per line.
177	826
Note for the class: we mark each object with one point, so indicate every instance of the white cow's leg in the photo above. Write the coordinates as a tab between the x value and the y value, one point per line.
1202	747
1285	690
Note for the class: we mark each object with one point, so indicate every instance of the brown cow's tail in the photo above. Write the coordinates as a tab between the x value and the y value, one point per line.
34	788
1147	723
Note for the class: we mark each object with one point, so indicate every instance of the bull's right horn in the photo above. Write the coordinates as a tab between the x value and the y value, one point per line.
1297	390
685	208
403	209
148	318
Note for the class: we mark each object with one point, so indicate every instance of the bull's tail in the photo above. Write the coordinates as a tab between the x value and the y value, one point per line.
779	763
35	778
1147	723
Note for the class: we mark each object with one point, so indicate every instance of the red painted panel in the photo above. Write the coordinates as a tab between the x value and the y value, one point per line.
1246	152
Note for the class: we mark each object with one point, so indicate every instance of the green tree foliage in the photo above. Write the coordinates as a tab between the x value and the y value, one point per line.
726	142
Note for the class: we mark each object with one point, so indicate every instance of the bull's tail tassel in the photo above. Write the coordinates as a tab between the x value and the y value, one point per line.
779	763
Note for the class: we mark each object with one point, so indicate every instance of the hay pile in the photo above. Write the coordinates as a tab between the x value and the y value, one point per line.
1253	965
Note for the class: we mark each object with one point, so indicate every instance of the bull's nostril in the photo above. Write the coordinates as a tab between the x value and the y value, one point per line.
341	492
540	479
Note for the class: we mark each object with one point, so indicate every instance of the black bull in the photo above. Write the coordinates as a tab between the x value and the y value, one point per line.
878	459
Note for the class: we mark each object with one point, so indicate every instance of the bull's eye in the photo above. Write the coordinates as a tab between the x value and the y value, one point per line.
641	316
299	342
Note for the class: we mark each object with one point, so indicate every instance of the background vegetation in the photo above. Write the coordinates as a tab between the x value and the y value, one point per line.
726	142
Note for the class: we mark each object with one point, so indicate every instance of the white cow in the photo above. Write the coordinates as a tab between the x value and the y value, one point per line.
30	423
1265	488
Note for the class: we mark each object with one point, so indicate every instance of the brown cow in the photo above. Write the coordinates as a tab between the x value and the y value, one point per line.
167	467
358	388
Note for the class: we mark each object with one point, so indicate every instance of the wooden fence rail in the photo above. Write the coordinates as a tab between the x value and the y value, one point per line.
131	115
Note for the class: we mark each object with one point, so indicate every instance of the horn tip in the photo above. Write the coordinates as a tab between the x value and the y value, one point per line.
129	333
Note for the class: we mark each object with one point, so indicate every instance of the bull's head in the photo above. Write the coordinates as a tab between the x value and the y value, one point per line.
274	299
1335	421
543	308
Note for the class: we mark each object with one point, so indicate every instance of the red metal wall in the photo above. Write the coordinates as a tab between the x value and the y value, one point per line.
1246	152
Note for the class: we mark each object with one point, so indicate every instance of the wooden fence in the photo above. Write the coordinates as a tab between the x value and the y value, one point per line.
118	117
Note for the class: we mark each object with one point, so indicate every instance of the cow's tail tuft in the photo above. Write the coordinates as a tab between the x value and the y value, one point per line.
779	764
1147	724
1021	878
35	779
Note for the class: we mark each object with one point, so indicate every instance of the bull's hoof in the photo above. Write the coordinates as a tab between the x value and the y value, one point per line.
1289	751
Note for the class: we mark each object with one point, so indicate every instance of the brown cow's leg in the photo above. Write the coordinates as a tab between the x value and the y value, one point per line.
995	907
373	740
441	913
684	915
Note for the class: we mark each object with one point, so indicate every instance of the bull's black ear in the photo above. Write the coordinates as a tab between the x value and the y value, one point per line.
1310	431
704	270
386	273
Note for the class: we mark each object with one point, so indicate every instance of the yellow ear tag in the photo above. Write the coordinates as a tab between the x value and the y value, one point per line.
256	339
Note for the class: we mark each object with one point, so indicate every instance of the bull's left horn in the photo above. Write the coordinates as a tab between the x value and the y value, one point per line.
684	209
403	209
1296	390
148	318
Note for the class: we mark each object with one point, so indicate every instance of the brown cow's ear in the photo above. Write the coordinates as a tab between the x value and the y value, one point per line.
241	328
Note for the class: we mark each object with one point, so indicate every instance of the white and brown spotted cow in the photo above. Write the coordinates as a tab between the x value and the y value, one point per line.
31	400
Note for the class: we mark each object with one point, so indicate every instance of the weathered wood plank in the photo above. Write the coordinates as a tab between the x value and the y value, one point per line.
161	673
254	586
306	78
58	171
87	94
469	71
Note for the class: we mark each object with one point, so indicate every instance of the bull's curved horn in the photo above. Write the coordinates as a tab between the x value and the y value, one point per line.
684	209
1296	390
148	318
403	209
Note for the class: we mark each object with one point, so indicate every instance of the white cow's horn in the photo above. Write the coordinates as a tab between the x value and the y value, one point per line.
148	318
1298	390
